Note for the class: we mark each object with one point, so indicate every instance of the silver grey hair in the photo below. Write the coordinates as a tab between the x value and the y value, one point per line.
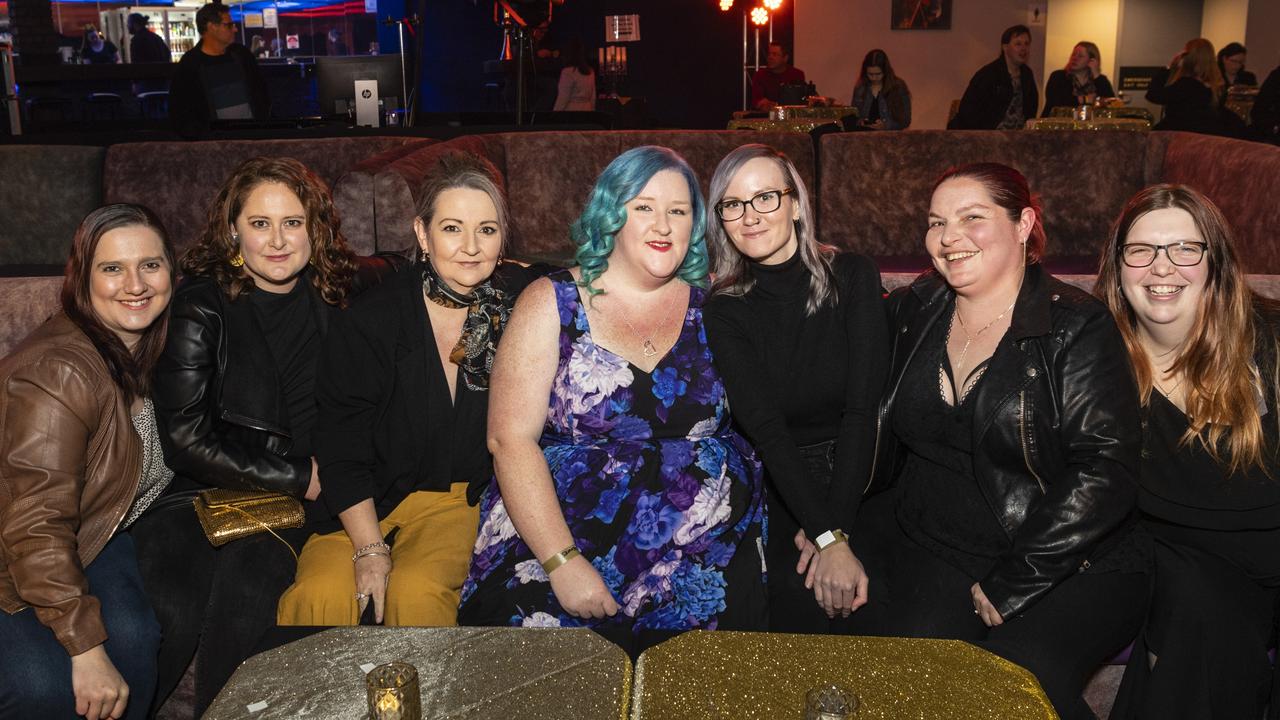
731	269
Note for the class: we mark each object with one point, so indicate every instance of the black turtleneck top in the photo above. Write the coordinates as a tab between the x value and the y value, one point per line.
795	379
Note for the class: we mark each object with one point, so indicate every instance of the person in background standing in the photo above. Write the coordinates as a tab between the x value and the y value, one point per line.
217	79
144	45
97	49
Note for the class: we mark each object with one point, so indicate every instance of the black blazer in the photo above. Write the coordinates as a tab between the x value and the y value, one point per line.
386	425
1056	430
219	404
988	96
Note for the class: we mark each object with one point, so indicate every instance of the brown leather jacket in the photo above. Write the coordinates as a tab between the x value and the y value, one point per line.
69	465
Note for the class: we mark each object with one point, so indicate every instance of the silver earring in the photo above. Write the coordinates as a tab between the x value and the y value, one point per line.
422	255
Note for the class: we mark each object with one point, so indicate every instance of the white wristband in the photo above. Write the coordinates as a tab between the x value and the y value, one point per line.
829	538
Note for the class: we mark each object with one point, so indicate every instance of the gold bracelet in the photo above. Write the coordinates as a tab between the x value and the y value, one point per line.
560	558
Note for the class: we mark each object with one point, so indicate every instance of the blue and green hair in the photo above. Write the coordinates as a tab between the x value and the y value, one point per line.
606	213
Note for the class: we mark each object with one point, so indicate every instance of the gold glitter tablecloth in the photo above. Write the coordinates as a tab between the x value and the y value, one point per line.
509	673
800	125
1121	124
741	676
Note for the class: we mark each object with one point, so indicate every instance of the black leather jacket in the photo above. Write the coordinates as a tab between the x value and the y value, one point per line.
1056	430
219	404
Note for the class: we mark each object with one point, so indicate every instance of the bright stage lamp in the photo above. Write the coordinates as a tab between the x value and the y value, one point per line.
759	16
726	4
772	4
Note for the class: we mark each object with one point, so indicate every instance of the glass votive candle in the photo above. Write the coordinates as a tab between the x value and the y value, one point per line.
393	692
830	702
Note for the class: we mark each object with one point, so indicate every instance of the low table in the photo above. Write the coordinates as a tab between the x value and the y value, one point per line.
515	673
1129	124
766	675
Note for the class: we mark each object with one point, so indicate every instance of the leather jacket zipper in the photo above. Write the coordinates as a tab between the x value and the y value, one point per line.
1022	434
252	424
875	453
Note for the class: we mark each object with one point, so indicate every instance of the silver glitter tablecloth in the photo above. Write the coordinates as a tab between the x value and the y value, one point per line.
741	676
521	674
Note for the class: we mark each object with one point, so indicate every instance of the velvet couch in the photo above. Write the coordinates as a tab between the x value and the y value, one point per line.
46	189
871	190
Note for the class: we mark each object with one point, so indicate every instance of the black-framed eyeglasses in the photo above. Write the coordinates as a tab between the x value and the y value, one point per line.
764	202
1182	254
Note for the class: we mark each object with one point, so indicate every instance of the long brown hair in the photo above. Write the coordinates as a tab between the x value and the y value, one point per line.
1199	63
1216	359
333	261
131	371
894	89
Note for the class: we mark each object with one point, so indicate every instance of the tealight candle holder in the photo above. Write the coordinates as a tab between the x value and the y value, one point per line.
830	702
393	692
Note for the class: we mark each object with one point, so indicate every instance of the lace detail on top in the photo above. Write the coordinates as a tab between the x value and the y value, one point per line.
155	476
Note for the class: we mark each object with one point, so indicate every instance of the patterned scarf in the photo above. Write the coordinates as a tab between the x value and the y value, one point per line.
487	311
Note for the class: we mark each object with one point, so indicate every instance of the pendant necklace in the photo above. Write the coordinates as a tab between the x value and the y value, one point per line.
649	349
968	339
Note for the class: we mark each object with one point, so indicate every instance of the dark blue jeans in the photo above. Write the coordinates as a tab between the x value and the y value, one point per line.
35	670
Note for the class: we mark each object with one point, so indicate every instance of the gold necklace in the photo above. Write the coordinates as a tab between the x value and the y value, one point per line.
968	339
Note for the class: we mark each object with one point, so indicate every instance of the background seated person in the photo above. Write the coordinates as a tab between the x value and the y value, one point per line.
1081	82
881	97
403	393
1002	95
1231	63
766	84
1191	90
80	461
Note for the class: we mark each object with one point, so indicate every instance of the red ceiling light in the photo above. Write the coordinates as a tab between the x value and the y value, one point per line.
759	16
772	4
725	5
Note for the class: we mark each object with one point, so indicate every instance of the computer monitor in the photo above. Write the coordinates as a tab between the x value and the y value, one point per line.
336	76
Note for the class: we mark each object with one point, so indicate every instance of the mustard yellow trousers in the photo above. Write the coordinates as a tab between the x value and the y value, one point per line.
430	559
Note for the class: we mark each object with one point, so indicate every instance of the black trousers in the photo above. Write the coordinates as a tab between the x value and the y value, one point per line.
1061	639
212	603
1210	624
793	607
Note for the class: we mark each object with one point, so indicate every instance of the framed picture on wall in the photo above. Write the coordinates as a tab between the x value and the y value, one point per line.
920	15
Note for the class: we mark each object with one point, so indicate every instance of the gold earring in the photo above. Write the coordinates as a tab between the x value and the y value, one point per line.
237	261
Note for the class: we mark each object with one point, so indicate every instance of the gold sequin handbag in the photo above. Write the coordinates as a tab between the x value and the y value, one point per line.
228	515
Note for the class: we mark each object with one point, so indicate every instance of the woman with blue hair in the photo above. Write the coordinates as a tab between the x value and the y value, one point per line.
624	502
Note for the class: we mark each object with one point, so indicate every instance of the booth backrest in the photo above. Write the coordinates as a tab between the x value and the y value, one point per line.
1242	178
179	180
25	302
45	190
875	187
549	174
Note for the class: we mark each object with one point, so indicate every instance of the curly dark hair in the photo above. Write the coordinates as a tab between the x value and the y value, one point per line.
332	261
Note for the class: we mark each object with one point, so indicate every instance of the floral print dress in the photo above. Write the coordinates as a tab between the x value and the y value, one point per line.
660	494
